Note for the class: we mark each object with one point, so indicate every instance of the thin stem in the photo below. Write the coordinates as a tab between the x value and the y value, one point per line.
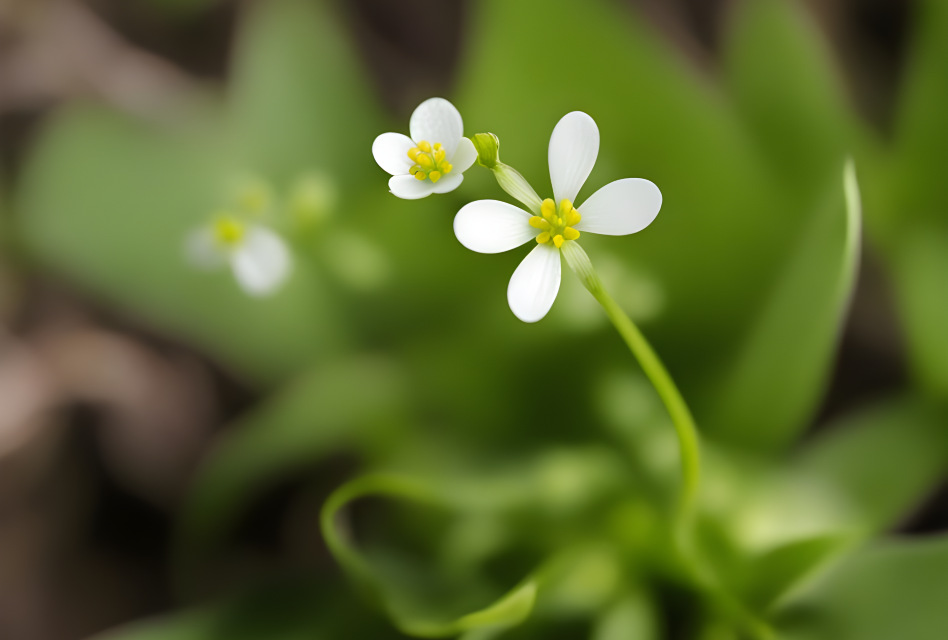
688	442
680	414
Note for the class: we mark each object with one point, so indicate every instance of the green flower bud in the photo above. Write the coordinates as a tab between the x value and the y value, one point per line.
488	149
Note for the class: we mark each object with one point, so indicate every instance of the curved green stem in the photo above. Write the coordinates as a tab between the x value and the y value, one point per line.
688	441
509	610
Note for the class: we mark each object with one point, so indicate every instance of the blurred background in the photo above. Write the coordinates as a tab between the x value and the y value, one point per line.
166	441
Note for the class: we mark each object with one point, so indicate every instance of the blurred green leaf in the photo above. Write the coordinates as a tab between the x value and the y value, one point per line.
892	589
782	78
907	211
342	405
779	571
920	269
884	459
298	97
108	203
921	155
780	372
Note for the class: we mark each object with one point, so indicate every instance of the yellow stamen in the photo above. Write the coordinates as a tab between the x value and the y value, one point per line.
414	170
437	146
548	208
446	168
424	146
425	161
420	175
558	241
435	176
573	218
413	154
543	237
565	207
570	233
439	155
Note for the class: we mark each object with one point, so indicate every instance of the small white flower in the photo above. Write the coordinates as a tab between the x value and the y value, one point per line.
433	159
259	258
619	208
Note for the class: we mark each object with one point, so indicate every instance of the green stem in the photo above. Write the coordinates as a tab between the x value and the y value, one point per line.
688	441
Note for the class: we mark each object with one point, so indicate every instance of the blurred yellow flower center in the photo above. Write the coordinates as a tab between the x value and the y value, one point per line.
556	225
229	231
429	161
254	198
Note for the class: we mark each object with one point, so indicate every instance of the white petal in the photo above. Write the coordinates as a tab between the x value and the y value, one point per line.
262	262
491	226
621	207
410	188
464	157
534	284
448	183
391	152
574	147
436	120
202	250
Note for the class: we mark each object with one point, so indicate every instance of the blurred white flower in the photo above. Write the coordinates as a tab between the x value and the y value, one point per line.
259	258
433	159
619	208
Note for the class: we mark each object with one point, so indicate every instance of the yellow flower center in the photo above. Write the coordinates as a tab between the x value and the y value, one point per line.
556	225
229	231
429	161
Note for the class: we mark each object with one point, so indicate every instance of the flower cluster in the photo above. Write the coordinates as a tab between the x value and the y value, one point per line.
620	208
420	168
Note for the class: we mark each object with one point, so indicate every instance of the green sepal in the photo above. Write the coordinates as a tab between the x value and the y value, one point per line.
488	149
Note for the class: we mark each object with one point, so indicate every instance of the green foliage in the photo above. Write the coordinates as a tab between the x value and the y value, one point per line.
781	370
892	589
754	260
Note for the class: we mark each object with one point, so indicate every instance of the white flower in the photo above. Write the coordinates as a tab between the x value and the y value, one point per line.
619	208
433	159
259	258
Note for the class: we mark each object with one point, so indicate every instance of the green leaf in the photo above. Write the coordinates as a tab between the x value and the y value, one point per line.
344	405
780	570
108	203
779	374
884	459
299	98
782	77
921	157
909	206
920	265
892	589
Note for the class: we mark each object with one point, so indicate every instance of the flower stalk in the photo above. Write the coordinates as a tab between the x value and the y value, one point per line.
688	441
